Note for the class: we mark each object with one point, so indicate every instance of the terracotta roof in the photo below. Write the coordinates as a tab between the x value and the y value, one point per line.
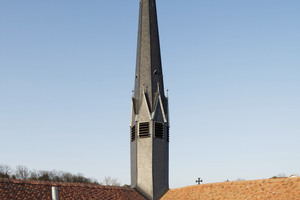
267	189
36	190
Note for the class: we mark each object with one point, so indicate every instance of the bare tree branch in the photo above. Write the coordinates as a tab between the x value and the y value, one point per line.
22	172
111	181
5	171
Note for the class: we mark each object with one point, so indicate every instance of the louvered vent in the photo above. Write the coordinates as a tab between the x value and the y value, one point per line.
159	130
144	130
132	133
168	134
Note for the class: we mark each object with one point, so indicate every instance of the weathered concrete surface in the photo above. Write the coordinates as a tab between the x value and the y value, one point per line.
149	154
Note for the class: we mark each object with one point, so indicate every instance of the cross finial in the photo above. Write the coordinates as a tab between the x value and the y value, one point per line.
199	181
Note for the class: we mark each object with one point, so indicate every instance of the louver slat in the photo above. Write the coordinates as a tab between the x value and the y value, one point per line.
144	130
159	130
168	134
132	133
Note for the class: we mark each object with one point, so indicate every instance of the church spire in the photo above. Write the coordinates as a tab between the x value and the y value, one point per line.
149	114
148	63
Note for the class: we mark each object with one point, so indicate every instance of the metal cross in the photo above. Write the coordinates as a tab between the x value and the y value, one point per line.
199	181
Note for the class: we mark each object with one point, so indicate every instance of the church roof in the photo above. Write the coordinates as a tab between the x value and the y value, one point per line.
11	189
268	189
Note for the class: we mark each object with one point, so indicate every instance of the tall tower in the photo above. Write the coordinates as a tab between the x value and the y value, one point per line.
149	122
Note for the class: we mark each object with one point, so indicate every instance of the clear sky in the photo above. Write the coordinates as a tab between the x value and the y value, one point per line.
232	68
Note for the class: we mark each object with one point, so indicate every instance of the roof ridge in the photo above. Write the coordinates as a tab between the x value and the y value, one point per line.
51	183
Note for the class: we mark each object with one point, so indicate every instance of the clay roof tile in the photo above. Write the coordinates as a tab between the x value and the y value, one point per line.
271	189
24	189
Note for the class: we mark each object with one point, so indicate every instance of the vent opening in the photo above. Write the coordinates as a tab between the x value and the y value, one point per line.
144	130
132	133
168	134
159	130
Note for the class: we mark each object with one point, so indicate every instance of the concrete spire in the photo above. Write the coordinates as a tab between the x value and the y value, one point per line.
148	62
149	115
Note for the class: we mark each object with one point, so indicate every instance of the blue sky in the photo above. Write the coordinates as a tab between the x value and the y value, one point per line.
232	68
